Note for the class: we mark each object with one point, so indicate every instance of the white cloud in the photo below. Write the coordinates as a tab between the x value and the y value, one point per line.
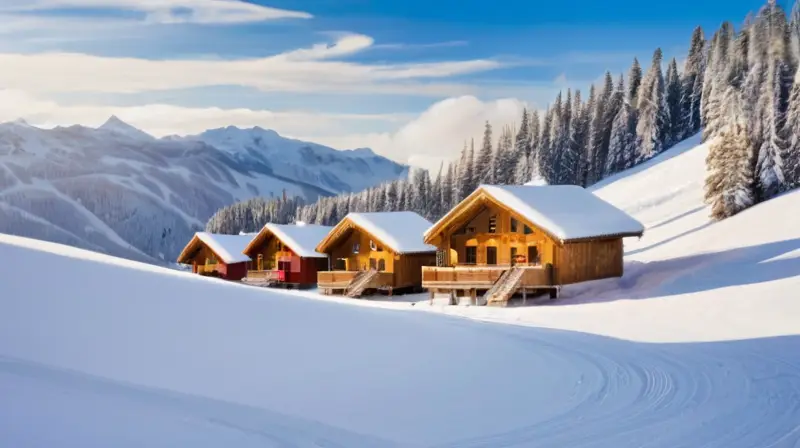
302	70
439	133
436	135
169	11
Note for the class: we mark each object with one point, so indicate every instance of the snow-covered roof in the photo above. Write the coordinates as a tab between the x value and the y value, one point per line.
399	231
567	212
227	247
302	239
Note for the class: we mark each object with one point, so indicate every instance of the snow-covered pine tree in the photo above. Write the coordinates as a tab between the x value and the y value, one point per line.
522	141
652	111
535	132
504	163
672	96
794	26
390	201
541	155
571	156
596	149
435	198
692	85
792	160
522	171
408	196
557	140
588	112
622	146
729	183
615	100
634	82
484	169
447	189
715	84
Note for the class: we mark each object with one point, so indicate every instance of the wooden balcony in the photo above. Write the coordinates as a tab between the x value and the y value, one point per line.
272	275
206	269
335	280
481	277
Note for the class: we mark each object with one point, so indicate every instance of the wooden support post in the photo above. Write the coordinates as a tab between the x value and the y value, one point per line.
432	293
524	296
473	294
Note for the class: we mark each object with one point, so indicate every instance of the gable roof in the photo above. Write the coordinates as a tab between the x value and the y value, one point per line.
227	247
400	232
302	239
566	212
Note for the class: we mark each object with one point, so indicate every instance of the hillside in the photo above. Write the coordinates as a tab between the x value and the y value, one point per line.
116	189
142	355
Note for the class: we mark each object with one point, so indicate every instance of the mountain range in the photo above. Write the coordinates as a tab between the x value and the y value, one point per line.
118	190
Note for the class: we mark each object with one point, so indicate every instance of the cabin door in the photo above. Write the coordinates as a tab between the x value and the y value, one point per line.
533	255
491	255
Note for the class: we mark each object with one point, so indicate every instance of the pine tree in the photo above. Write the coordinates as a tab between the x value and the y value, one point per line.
523	140
652	111
504	162
615	101
672	96
692	85
447	189
794	26
729	184
715	85
557	139
622	147
597	151
483	164
572	154
542	154
634	82
773	103
535	132
792	162
587	112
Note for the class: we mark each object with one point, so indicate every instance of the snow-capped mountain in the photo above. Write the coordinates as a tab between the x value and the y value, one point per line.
118	190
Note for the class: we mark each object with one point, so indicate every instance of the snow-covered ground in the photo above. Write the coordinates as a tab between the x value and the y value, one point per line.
99	351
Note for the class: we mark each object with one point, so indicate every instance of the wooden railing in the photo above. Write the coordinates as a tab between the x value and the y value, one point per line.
340	279
480	277
266	275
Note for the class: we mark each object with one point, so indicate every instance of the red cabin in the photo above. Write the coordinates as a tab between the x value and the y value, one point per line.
285	254
216	255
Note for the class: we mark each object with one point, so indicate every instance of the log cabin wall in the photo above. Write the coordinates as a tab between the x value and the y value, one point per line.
408	269
589	260
475	233
270	252
360	260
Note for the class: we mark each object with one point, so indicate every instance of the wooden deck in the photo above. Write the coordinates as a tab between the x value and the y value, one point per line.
481	277
329	281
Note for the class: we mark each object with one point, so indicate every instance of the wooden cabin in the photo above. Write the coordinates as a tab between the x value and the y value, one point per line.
376	252
285	255
505	240
217	255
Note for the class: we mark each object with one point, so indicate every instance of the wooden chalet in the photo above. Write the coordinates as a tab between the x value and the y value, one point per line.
286	255
504	240
217	255
375	251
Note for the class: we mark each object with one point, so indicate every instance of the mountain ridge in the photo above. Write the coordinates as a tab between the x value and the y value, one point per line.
152	193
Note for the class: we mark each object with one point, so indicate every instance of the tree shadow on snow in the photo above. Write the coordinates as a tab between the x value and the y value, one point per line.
696	273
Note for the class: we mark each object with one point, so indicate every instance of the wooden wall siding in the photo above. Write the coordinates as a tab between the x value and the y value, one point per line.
360	261
408	269
340	279
503	238
591	260
269	250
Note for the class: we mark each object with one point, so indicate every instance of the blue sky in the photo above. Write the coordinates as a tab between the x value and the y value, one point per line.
388	81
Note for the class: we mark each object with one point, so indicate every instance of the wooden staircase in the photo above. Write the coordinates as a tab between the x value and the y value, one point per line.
360	282
504	287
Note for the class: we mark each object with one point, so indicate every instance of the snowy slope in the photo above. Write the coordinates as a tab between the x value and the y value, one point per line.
144	356
118	190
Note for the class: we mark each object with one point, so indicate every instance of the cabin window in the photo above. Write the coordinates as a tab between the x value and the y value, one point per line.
340	264
373	264
491	255
513	256
528	230
471	255
493	224
470	229
514	225
356	248
260	262
533	255
211	259
381	265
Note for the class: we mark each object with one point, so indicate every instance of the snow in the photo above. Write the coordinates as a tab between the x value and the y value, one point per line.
228	248
695	346
115	125
567	212
402	232
302	239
